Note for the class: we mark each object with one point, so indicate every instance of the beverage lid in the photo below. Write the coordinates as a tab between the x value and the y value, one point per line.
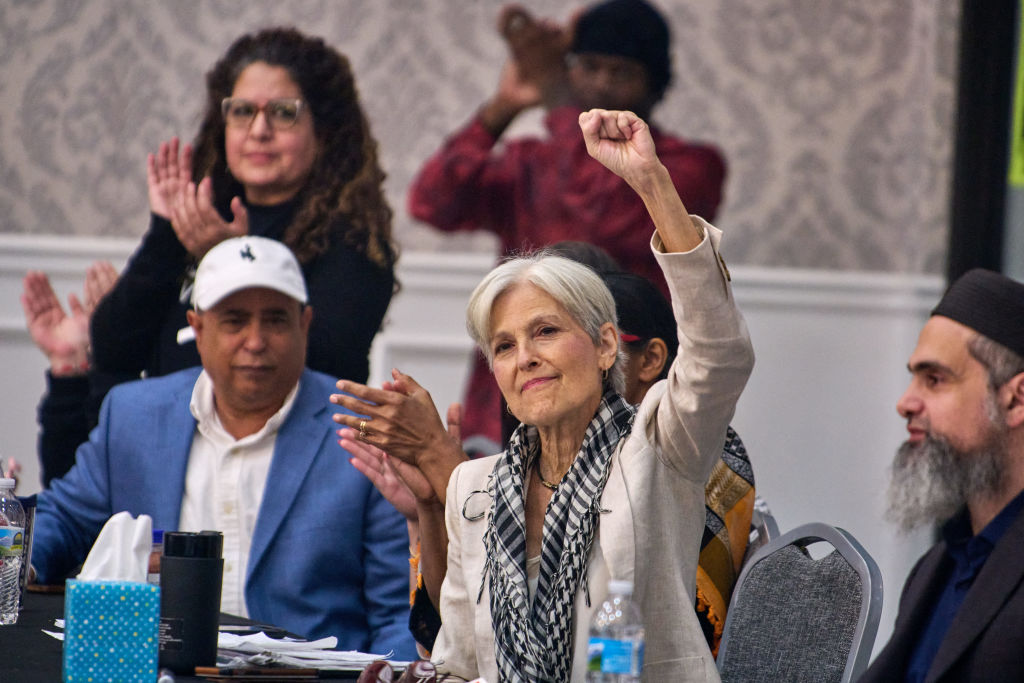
7	483
620	586
204	544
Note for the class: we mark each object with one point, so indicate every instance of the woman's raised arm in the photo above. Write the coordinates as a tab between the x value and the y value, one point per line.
622	142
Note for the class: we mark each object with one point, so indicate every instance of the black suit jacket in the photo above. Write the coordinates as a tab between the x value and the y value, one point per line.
985	642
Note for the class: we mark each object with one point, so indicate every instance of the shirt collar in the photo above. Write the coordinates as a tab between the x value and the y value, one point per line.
202	407
965	547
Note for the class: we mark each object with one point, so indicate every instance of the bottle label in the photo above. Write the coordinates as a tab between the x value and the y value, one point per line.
11	540
611	656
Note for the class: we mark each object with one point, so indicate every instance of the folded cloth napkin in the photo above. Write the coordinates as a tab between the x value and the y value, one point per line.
121	551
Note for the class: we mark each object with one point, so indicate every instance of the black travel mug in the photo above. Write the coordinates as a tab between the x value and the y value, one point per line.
191	569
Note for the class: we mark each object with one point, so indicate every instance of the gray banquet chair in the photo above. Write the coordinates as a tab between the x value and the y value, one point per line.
796	618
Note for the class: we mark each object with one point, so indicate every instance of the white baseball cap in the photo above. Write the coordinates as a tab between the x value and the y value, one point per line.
243	262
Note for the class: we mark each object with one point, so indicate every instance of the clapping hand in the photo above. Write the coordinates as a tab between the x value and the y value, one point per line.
400	419
188	206
536	67
64	335
167	174
400	484
100	278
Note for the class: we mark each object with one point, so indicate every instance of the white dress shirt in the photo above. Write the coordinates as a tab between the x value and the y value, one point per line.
224	484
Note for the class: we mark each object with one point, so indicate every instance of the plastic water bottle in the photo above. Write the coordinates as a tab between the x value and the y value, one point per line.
616	650
12	534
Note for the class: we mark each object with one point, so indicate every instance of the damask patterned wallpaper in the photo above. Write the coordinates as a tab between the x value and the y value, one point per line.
836	117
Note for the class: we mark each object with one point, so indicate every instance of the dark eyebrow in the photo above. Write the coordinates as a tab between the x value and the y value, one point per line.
930	366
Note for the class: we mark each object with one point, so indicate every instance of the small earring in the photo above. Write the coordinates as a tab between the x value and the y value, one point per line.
508	410
604	375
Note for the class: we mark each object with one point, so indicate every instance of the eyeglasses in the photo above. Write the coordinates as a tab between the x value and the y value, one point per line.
280	113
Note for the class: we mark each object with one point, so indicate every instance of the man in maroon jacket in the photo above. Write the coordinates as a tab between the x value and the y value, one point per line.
535	192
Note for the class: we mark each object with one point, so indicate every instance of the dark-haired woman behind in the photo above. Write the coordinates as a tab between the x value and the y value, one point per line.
284	151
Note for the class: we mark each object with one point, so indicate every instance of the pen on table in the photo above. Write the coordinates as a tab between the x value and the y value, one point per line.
276	672
166	676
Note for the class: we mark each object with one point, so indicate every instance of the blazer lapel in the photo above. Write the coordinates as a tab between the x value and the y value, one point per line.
295	450
169	457
915	607
997	580
616	529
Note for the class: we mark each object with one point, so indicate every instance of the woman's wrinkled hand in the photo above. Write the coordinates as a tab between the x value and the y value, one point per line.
400	418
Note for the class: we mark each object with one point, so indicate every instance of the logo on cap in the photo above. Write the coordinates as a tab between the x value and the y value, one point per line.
247	253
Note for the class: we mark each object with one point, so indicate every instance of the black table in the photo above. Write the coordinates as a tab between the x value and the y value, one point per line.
27	655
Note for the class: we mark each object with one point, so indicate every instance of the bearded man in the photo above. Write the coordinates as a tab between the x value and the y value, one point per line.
961	614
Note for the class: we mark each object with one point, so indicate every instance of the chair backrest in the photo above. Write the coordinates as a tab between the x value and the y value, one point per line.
796	618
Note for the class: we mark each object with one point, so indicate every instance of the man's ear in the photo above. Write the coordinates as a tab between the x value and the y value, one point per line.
195	321
1014	393
651	360
306	317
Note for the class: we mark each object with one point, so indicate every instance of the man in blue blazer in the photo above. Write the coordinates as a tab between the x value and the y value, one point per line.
244	445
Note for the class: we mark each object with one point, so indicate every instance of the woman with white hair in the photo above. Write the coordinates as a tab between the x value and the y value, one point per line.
591	489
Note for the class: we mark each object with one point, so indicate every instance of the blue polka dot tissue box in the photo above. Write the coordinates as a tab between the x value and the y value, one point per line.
110	631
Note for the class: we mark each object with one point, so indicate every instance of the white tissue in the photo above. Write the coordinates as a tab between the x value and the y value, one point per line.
121	551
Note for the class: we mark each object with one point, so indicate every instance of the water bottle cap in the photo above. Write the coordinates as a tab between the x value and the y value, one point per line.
620	586
191	544
6	483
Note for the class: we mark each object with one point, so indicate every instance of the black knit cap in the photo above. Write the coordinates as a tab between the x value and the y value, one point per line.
989	303
628	28
642	309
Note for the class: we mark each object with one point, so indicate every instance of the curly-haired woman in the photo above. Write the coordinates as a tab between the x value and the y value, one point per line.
285	151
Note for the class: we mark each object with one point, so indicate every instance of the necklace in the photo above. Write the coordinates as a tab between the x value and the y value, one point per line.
545	482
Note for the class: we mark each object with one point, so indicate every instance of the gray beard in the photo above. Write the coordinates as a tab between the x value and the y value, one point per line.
932	480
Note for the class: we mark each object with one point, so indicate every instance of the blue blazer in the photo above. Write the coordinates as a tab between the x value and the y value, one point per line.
329	555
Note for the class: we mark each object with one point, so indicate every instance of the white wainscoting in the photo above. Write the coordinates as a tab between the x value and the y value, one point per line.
818	416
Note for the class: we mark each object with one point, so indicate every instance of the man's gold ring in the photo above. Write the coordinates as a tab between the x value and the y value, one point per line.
362	430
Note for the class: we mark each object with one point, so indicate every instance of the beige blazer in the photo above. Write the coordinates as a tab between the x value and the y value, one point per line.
654	497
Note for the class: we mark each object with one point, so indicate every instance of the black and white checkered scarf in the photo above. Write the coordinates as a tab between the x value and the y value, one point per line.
535	642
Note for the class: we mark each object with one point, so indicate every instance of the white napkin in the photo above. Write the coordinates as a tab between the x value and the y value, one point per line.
121	551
